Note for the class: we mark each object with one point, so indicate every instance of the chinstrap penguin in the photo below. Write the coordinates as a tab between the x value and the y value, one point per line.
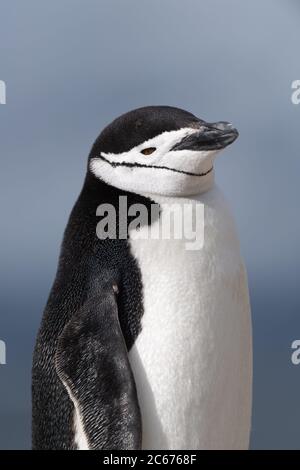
143	343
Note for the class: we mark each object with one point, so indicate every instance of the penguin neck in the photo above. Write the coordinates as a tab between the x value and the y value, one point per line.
96	191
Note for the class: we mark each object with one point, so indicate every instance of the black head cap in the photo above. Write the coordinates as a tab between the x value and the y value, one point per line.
137	126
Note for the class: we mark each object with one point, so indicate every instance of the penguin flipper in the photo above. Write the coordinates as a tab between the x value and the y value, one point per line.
92	362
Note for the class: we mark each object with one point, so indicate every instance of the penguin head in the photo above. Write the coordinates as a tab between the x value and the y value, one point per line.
159	150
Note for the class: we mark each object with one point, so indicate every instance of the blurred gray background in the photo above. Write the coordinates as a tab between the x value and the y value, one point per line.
72	66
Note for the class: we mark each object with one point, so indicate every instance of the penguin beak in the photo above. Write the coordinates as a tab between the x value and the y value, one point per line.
210	136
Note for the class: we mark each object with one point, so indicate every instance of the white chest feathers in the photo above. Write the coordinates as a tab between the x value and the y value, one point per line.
192	361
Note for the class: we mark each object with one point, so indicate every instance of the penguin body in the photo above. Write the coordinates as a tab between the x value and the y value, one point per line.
192	359
145	343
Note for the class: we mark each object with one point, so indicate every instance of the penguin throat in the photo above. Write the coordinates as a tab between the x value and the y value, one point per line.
147	180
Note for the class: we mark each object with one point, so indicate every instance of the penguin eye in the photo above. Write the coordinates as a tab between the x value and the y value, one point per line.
148	151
